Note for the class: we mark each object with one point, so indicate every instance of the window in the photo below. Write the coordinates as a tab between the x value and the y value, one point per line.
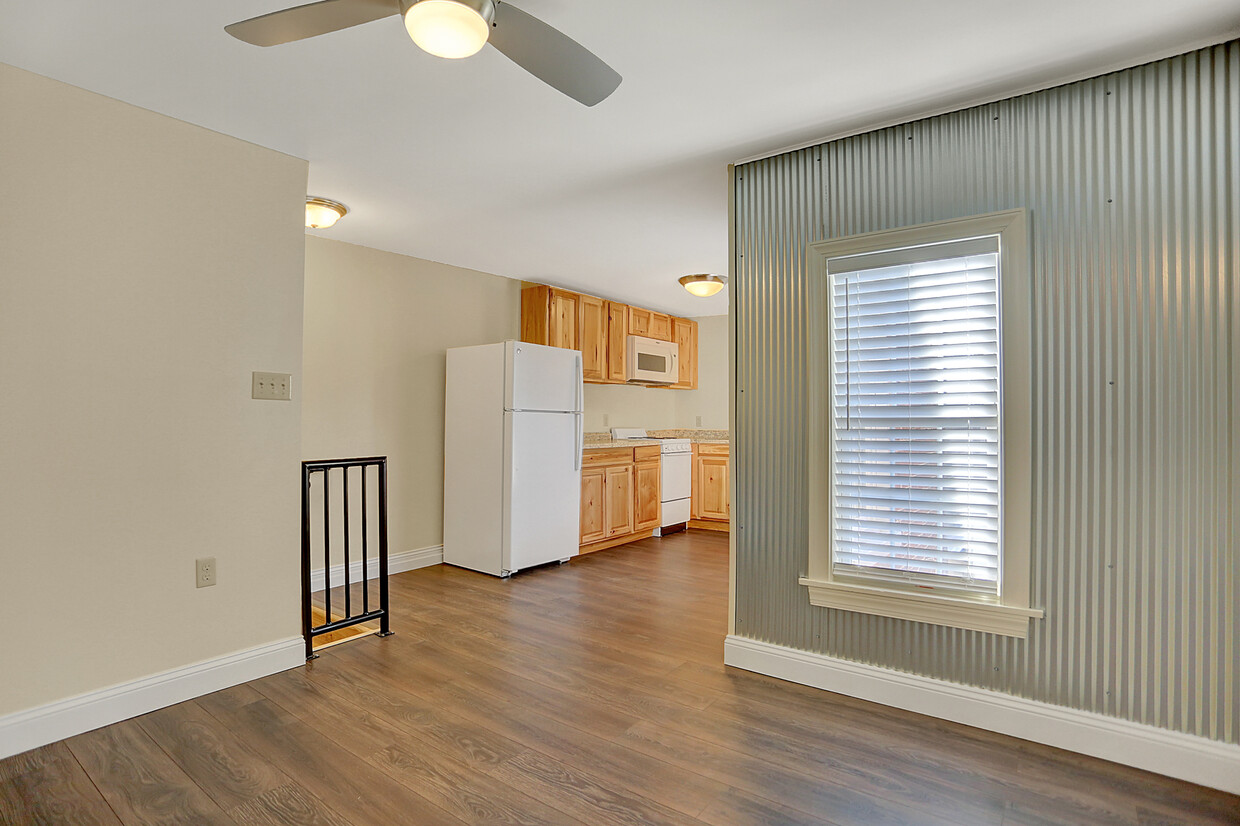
920	488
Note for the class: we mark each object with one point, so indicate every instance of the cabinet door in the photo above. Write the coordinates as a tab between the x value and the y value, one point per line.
565	320
713	485
650	324
535	307
618	500
685	332
639	321
592	522
593	338
661	327
646	507
617	340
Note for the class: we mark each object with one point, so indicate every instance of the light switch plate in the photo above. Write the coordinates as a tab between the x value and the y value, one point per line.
272	386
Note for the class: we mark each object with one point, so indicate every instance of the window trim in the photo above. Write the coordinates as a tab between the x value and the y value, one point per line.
1010	614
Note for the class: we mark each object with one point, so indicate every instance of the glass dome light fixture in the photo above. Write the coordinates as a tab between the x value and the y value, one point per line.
322	213
449	28
703	285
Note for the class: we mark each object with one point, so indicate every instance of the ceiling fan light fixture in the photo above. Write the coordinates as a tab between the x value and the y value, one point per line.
450	28
703	285
322	213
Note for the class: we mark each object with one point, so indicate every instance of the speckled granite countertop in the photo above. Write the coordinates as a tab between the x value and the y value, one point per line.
598	441
607	441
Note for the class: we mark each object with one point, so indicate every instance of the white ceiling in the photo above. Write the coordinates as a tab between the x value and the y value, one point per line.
478	164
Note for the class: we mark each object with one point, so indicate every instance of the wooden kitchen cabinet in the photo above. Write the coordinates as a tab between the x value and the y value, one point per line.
563	331
600	330
650	324
618	500
593	338
617	341
551	316
646	479
593	521
619	496
710	506
685	333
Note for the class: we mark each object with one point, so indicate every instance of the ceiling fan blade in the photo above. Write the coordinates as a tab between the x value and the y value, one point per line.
310	20
552	56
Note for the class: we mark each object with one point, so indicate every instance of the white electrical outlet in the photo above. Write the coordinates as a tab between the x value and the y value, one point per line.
606	419
272	386
699	421
205	568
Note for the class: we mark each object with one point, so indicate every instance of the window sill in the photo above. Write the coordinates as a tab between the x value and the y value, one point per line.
988	617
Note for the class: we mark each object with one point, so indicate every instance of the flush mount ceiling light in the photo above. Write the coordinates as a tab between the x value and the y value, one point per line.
449	28
703	285
322	213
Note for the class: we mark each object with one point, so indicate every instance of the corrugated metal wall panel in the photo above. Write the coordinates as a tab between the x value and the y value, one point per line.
1133	185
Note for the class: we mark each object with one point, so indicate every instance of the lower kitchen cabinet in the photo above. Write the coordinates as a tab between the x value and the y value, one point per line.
593	520
618	500
711	506
646	477
619	496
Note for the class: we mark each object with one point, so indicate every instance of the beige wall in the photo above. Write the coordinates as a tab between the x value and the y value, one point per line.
657	409
377	326
710	399
619	405
146	268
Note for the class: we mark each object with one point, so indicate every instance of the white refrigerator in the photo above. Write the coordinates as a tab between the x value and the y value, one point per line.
512	456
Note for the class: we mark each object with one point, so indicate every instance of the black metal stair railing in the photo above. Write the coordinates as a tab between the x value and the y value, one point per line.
322	472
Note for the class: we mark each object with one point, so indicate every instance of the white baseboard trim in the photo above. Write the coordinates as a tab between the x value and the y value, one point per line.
397	564
39	726
1183	756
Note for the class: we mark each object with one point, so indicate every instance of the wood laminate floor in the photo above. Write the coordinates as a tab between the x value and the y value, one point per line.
591	693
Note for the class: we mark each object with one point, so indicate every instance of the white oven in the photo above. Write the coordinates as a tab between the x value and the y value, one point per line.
675	481
653	361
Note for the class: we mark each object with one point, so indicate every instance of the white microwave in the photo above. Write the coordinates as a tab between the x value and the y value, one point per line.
652	361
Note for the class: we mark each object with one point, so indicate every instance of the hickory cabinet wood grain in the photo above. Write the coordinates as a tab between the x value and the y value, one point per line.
600	330
593	521
710	504
646	495
551	316
650	324
685	334
593	338
619	496
618	500
617	336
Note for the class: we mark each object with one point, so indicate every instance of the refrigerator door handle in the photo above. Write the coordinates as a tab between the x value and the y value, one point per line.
581	391
581	436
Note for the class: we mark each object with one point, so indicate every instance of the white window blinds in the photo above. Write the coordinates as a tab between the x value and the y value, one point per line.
915	442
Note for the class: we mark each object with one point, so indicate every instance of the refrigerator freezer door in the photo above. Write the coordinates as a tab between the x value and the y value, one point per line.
543	518
543	378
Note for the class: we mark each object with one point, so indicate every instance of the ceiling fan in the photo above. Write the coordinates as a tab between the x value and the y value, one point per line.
454	29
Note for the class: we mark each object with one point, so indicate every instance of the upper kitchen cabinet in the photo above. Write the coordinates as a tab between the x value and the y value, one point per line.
551	316
593	338
685	334
650	324
617	333
600	330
